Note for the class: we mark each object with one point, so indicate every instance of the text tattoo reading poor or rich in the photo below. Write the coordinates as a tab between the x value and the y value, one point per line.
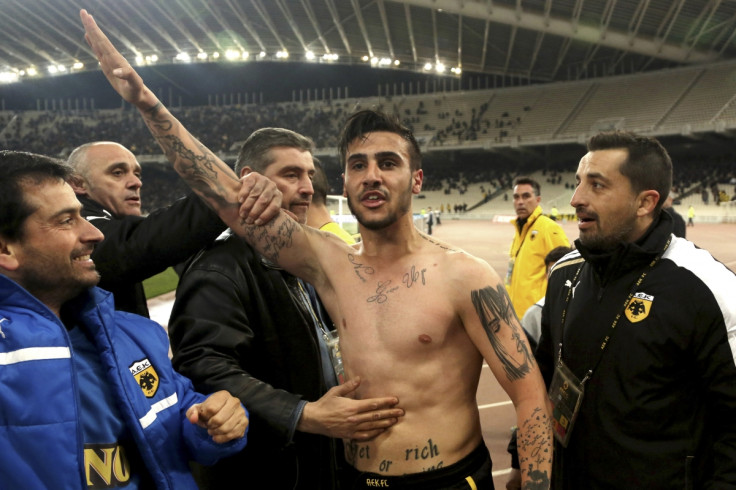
493	307
428	453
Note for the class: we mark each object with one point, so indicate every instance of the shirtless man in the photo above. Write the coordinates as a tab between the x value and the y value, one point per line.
416	316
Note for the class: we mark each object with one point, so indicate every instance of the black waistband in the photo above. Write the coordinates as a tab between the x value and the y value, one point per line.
435	478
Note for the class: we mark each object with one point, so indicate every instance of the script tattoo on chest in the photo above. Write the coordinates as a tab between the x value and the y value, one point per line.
413	276
359	268
383	289
493	307
382	292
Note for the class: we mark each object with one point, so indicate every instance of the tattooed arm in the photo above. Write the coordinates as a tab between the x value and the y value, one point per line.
242	205
492	325
208	176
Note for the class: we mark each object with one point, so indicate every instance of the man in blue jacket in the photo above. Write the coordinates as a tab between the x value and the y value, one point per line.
89	399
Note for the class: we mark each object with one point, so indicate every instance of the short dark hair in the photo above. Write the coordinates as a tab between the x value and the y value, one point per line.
256	150
320	185
556	254
648	165
524	180
368	121
17	169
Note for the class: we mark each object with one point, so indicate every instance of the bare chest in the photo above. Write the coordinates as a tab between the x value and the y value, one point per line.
399	313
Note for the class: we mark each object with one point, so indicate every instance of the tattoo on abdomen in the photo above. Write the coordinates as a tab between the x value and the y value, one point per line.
494	306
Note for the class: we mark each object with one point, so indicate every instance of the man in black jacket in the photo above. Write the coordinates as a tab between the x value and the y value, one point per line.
646	323
107	182
242	324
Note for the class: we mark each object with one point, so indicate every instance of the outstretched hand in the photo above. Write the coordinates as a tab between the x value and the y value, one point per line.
123	78
222	415
336	415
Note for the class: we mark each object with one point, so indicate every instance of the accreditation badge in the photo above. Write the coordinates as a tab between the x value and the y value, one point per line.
333	345
510	271
566	395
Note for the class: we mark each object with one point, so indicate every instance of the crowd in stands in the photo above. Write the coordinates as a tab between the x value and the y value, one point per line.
223	128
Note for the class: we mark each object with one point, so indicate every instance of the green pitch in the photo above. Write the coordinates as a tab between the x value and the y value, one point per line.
161	283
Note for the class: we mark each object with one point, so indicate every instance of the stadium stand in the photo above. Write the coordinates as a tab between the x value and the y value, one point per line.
475	140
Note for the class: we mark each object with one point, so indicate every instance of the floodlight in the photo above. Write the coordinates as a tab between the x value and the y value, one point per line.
8	77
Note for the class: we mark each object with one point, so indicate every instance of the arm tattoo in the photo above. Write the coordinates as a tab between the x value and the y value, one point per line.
494	306
535	444
152	120
271	238
200	170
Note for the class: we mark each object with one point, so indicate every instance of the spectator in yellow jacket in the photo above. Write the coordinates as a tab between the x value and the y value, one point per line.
535	236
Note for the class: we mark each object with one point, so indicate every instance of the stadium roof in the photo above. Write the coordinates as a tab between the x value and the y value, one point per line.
534	40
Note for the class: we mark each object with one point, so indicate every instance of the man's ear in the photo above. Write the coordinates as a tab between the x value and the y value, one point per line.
245	171
78	184
344	191
8	259
647	202
417	178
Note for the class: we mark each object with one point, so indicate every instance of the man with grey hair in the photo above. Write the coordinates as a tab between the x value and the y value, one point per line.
107	181
242	324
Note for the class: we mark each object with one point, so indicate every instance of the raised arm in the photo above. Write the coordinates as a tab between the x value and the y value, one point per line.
284	240
208	176
491	323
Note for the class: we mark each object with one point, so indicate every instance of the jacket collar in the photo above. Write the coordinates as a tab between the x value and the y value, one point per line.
520	226
626	257
76	310
91	208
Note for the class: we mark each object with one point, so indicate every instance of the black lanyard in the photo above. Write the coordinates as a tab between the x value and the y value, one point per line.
607	338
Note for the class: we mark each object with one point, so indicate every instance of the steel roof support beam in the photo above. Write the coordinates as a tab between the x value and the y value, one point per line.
566	28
